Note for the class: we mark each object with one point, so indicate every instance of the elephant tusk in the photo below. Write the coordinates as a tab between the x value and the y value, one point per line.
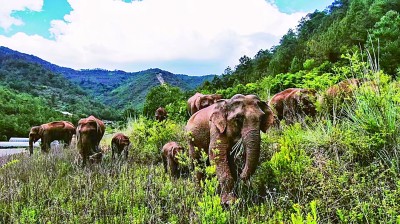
238	149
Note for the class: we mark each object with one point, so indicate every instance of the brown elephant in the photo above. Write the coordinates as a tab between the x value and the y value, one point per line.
57	130
161	114
89	133
199	101
293	103
169	157
120	144
219	127
344	88
336	95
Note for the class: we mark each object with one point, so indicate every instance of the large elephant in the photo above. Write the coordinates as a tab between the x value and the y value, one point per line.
120	144
57	130
199	101
89	133
169	156
161	114
293	103
217	128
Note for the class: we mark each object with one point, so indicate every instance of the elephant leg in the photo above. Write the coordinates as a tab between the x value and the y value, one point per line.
45	145
196	163
68	140
165	162
219	154
173	167
84	160
126	153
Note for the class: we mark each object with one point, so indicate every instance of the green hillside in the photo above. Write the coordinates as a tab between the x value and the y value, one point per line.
118	89
20	111
133	92
58	92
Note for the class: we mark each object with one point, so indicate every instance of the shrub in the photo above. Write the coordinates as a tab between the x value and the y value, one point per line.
148	136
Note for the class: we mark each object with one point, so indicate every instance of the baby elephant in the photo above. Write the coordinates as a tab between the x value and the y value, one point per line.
120	143
168	153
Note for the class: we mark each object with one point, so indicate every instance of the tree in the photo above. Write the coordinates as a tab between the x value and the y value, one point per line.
385	35
161	96
283	54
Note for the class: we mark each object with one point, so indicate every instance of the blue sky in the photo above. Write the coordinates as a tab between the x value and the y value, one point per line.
195	37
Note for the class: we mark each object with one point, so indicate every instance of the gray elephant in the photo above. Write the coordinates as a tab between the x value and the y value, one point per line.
56	130
217	128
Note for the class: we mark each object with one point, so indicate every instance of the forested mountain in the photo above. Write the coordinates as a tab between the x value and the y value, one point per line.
59	93
114	88
20	111
319	41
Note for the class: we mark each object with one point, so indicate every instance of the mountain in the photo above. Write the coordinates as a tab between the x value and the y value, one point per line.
117	88
56	91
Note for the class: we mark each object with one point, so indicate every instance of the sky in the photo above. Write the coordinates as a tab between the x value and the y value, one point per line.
193	37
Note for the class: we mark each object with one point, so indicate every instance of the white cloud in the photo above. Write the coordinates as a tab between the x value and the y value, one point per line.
8	7
116	35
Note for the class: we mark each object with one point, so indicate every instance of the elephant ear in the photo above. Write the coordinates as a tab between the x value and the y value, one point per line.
198	102
41	131
170	151
218	117
268	118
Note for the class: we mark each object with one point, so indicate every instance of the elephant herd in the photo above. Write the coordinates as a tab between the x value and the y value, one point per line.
226	130
89	133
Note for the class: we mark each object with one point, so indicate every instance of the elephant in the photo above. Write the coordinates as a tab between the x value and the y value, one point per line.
199	101
335	96
216	129
89	133
161	114
168	154
293	103
120	144
56	130
344	88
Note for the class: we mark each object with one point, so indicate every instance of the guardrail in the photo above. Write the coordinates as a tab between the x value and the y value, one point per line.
19	139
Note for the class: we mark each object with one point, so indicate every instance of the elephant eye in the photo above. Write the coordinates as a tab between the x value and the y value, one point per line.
239	118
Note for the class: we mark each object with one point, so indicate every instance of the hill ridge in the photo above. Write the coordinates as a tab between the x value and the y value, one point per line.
116	88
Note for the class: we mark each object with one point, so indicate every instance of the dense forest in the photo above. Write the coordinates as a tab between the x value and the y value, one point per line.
332	168
318	44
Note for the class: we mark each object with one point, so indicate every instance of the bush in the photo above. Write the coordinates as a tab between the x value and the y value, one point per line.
148	136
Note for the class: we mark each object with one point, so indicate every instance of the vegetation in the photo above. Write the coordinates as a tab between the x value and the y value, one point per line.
320	40
31	111
60	94
118	89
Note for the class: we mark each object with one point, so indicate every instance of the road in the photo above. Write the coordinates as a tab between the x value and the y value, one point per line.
6	152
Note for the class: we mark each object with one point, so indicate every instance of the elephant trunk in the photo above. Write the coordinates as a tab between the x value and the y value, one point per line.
30	145
251	142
